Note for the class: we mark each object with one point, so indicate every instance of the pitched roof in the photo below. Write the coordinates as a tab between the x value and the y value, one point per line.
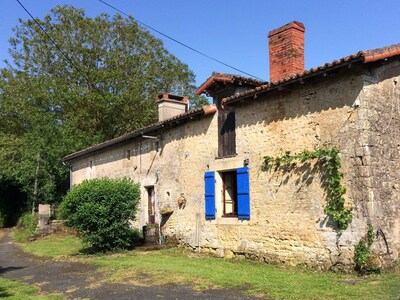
202	111
228	78
361	56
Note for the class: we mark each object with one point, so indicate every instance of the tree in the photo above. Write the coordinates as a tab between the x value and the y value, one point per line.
99	82
109	74
101	210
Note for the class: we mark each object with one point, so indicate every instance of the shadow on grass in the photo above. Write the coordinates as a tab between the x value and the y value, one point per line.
4	293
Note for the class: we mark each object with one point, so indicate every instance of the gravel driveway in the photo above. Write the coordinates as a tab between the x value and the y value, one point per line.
81	281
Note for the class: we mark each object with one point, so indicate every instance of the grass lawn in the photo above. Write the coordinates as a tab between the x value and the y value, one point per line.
175	266
12	289
202	272
54	246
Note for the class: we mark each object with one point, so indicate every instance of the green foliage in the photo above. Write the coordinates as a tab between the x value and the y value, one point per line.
329	160
26	227
100	211
370	235
362	253
51	106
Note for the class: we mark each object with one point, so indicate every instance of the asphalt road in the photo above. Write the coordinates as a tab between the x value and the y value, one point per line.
83	281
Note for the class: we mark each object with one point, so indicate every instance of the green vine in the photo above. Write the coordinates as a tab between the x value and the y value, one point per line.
329	161
362	254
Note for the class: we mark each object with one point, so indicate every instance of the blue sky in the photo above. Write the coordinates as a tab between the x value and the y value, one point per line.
236	31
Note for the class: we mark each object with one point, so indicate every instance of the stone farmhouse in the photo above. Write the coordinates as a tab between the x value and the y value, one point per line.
201	171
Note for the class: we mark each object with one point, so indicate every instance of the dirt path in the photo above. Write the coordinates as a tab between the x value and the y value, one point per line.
81	281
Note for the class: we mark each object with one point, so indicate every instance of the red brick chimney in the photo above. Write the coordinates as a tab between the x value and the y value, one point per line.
286	50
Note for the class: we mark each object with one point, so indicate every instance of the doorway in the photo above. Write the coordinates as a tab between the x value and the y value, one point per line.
151	204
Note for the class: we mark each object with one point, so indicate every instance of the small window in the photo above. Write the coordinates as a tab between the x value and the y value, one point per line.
235	197
227	135
156	146
136	150
229	194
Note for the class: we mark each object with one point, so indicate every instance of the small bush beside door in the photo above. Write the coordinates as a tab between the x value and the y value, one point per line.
100	211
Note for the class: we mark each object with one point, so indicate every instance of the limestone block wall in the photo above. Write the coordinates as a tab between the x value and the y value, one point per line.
113	162
356	110
373	154
287	223
187	150
359	114
173	166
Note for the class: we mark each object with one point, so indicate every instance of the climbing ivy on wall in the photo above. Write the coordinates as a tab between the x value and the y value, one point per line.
329	161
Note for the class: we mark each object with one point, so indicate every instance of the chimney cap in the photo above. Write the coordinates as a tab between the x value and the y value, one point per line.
294	24
166	96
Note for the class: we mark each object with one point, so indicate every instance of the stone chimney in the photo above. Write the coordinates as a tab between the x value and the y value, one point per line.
170	106
286	50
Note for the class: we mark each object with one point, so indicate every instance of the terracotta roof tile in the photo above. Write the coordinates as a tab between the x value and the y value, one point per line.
362	56
224	77
381	53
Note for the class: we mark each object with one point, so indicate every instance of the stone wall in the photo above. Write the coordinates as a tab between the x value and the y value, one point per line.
288	223
373	156
176	167
360	114
354	109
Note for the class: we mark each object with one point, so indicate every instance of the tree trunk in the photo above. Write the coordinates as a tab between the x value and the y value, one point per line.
35	204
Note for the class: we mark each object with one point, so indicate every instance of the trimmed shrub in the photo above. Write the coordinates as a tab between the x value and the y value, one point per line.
100	211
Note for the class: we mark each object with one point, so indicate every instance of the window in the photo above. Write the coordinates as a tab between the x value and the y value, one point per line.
229	194
226	133
235	194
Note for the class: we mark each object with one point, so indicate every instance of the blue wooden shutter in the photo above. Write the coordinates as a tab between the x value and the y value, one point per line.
243	193
209	184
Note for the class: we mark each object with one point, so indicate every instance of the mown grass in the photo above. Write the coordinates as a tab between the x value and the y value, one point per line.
202	272
12	289
54	246
257	278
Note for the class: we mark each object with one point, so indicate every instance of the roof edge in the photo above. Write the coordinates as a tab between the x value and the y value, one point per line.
380	56
205	110
209	82
361	56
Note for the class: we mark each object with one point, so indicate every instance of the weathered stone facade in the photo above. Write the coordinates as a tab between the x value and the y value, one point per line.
355	107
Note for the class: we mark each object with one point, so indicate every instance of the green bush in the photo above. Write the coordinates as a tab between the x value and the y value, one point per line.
100	211
361	255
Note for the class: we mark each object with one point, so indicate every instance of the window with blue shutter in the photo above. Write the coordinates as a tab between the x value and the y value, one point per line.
243	193
209	186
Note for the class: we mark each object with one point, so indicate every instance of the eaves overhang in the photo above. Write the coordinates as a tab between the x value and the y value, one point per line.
174	121
226	78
